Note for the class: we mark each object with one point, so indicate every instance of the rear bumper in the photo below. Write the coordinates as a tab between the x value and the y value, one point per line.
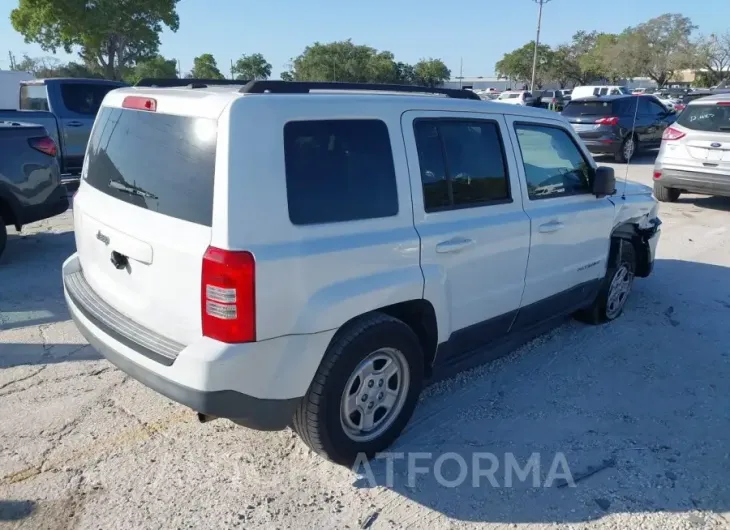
258	385
55	204
695	181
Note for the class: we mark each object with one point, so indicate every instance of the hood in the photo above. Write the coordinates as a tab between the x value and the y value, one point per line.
631	188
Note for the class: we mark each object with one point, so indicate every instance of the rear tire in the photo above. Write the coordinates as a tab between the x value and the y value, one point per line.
629	148
616	286
348	388
664	194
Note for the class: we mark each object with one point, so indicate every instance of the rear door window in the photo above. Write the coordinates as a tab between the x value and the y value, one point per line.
709	118
33	97
155	161
83	98
339	170
462	163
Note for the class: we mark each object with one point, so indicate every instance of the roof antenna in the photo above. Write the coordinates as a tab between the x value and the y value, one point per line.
633	143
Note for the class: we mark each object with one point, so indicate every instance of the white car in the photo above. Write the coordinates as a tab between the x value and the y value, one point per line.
517	97
302	254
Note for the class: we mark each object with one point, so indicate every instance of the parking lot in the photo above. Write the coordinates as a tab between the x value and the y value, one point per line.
640	408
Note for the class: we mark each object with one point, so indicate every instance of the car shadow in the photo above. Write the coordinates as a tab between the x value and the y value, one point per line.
644	158
30	271
705	202
628	417
16	510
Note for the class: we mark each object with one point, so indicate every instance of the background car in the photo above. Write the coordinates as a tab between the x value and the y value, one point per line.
550	99
614	125
695	151
517	97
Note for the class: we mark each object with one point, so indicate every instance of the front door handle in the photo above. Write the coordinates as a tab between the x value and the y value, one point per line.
74	124
456	244
552	226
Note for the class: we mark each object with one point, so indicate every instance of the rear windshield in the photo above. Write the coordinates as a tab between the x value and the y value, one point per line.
509	96
588	108
711	118
155	161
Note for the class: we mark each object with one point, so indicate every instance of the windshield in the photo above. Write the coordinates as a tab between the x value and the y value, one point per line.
703	117
624	90
510	95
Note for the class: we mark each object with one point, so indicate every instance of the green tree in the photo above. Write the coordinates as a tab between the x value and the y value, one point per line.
250	67
712	56
205	67
431	72
517	64
585	67
110	34
41	67
73	69
343	61
563	69
156	67
660	47
405	73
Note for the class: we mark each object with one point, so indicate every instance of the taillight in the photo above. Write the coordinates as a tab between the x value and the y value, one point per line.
723	103
228	295
44	144
679	106
140	103
612	120
670	133
657	175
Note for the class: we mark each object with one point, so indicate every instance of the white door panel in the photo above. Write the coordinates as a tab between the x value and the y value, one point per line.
570	227
474	256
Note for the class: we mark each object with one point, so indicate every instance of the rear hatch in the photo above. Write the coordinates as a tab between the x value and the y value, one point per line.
702	140
591	117
147	195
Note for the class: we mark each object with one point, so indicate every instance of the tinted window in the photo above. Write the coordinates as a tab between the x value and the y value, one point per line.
33	97
155	161
588	108
655	107
339	170
627	106
711	118
82	98
462	163
554	166
644	107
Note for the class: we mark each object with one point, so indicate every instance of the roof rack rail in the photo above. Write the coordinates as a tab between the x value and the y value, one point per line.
193	83
304	87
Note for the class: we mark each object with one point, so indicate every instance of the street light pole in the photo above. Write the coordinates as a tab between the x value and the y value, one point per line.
540	3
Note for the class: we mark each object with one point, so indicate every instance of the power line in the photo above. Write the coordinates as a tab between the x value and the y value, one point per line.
540	3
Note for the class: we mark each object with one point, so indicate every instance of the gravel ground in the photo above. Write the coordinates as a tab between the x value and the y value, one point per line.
639	409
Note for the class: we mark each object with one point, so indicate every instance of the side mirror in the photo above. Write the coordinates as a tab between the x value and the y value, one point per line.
604	182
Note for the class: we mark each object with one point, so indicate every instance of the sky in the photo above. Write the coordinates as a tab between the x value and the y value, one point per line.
475	33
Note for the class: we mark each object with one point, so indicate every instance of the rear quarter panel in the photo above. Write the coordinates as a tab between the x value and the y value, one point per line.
316	277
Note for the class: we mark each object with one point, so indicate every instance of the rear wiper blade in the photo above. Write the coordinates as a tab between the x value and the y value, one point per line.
132	190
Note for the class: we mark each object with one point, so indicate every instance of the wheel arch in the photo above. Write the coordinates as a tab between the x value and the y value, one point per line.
631	233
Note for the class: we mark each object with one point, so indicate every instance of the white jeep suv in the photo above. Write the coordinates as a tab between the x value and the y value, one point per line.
306	255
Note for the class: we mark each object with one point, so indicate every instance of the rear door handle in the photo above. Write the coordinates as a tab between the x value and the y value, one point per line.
74	124
552	226
456	244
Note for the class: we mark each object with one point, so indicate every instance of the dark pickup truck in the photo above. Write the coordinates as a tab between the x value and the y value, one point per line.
66	108
30	180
